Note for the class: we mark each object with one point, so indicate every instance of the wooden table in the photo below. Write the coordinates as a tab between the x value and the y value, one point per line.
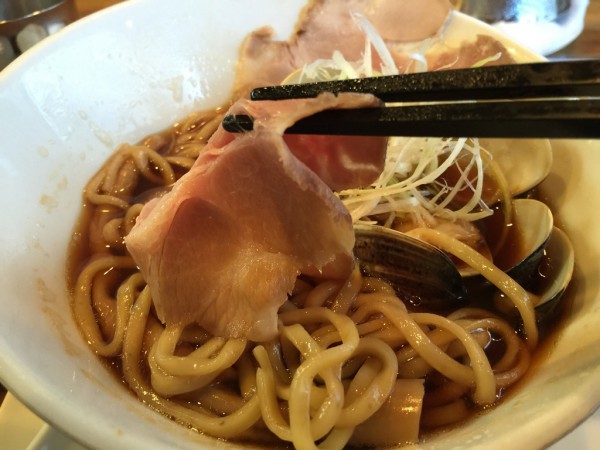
86	7
586	45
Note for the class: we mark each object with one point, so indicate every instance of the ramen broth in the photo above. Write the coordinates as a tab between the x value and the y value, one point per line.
91	241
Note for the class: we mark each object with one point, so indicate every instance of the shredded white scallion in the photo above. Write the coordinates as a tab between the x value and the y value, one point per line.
484	61
411	177
388	66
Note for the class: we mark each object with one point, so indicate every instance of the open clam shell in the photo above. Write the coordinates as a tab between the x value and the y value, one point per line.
524	162
425	276
556	271
420	273
554	274
530	227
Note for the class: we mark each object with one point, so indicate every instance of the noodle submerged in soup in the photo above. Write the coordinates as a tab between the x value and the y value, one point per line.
349	363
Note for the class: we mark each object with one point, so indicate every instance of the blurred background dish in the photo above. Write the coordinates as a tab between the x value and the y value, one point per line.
515	10
24	23
544	26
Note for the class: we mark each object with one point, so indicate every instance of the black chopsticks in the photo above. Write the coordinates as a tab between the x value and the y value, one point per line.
533	80
556	119
554	100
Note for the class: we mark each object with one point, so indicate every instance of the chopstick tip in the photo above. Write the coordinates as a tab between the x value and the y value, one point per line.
238	123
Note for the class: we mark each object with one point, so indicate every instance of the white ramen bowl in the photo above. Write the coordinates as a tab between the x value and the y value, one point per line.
133	69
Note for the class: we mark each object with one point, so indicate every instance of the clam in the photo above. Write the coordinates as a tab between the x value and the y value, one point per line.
555	271
523	162
531	249
530	226
420	273
425	276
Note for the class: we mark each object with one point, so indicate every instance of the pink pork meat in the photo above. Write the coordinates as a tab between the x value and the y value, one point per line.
224	247
329	25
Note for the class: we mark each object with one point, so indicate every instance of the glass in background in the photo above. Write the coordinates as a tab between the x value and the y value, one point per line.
23	23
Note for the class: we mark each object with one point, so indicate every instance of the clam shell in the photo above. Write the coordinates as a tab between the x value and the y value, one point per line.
524	162
554	275
420	273
532	224
556	269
